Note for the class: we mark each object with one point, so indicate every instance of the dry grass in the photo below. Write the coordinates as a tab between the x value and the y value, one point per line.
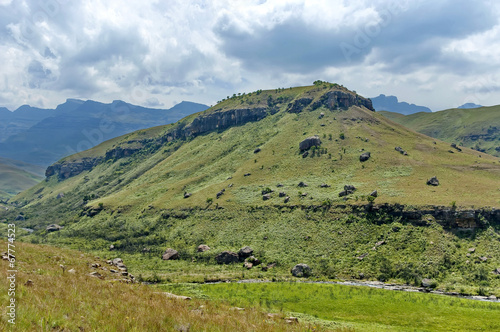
58	301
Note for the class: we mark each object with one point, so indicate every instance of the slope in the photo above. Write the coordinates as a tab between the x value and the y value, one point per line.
475	128
205	179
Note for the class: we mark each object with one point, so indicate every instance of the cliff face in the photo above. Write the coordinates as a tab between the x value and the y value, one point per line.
331	100
65	170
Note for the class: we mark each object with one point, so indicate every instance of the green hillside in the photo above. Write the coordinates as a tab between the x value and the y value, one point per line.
16	176
204	179
476	128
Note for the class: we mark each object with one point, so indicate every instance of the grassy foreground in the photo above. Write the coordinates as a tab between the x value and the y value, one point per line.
57	301
360	308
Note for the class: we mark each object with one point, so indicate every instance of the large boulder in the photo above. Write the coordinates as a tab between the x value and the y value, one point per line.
309	143
348	189
301	270
53	228
433	181
202	248
20	218
364	156
227	257
170	254
245	252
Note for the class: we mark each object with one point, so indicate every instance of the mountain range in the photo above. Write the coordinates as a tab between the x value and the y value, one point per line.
42	136
391	104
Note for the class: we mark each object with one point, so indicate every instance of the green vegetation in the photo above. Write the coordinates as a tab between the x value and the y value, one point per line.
473	128
360	308
49	298
16	176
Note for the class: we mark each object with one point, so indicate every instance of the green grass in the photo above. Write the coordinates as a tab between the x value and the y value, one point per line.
473	128
362	308
16	176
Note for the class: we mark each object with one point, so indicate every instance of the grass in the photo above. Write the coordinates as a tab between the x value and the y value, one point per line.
58	301
360	308
16	176
472	128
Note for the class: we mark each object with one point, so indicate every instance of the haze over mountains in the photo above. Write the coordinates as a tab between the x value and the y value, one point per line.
391	104
42	136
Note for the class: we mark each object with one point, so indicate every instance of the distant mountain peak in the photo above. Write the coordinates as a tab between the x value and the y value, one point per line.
469	105
392	104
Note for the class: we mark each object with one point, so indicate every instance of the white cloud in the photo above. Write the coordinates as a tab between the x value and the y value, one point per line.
158	52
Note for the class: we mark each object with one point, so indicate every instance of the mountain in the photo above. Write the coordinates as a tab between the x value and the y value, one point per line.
16	176
391	104
78	125
475	128
12	123
291	173
469	105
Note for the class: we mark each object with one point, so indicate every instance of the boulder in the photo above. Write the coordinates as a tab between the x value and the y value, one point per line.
253	260
321	115
53	228
227	257
20	218
279	185
247	174
111	247
60	195
309	143
266	197
287	199
247	265
428	283
324	185
282	194
117	261
348	189
433	181
245	252
301	270
202	248
186	195
305	154
374	193
170	254
219	194
257	150
302	184
497	271
364	156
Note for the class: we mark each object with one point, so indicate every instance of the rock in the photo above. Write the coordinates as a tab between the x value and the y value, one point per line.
117	261
202	248
324	185
305	154
428	283
321	115
124	273
472	250
379	243
298	105
111	247
453	145
113	271
170	254
301	270
95	274
399	149
253	260
374	193
247	174
257	150
497	271
219	194
291	320
287	199
29	283
230	185
309	143
361	257
227	257
282	194
245	252
364	156
20	218
483	259
302	184
433	181
348	189
95	265
187	195
53	228
248	265
279	185
492	298
266	197
72	271
60	195
174	296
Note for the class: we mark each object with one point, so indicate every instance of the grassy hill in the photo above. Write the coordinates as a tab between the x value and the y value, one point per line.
130	192
475	128
16	176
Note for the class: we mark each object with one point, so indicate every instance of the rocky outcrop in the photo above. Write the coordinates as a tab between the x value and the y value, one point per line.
298	105
301	270
227	257
170	254
364	156
433	181
66	169
341	99
309	143
53	228
202	248
245	252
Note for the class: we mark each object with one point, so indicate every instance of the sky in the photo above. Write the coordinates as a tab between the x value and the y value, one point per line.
435	53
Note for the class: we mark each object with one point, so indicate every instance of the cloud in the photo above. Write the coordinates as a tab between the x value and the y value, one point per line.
154	52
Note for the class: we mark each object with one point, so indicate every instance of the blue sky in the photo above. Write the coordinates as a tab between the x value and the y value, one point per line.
440	53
